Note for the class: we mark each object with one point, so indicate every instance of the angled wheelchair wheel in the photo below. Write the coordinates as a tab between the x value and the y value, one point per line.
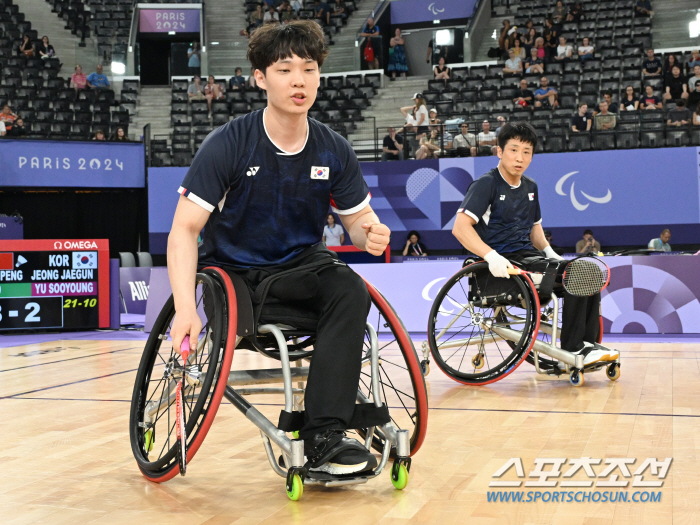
481	328
152	418
401	378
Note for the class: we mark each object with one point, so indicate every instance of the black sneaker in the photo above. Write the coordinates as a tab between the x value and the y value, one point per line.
334	453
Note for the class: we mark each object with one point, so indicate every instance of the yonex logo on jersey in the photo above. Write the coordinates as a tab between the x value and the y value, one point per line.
319	172
503	197
531	196
252	171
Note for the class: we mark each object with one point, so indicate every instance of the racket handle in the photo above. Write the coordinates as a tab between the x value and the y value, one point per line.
514	271
185	348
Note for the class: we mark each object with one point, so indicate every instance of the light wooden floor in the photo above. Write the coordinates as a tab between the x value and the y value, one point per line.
65	456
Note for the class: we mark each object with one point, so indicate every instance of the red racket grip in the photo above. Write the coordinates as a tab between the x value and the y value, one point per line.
185	348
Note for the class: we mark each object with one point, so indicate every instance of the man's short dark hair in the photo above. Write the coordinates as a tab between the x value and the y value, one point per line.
588	232
238	69
680	103
581	104
272	42
608	92
517	130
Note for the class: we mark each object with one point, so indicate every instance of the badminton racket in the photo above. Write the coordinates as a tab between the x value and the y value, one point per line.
180	409
582	277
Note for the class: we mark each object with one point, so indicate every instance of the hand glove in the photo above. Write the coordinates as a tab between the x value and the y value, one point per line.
498	265
551	254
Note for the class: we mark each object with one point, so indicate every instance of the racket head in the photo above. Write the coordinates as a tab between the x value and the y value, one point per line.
585	276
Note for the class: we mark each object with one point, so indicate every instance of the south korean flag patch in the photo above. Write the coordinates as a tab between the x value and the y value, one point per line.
319	172
531	196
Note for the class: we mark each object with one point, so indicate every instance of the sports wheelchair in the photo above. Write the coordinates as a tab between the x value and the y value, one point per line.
481	328
391	378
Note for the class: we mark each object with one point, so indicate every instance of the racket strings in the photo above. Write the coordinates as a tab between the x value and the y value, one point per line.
585	277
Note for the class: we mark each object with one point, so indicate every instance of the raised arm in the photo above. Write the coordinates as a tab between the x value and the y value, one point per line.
366	231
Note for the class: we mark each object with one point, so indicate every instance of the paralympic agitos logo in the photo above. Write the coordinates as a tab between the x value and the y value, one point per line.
559	188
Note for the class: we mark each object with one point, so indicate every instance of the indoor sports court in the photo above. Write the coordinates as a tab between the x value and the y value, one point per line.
400	261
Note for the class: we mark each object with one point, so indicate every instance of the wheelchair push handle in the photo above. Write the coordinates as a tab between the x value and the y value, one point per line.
516	271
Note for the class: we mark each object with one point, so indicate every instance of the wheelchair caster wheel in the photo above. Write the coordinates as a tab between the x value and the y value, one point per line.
399	476
297	487
576	378
478	361
613	371
425	367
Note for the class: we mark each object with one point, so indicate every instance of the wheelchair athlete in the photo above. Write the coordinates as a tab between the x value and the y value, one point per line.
261	186
500	221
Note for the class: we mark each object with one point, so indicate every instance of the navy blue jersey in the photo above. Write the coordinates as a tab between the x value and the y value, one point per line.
504	214
268	205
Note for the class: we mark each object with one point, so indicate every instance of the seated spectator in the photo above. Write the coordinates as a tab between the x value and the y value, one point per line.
441	71
194	90
649	100
680	115
120	135
78	81
237	81
675	85
45	49
487	139
693	60
26	48
322	12
581	121
524	30
564	50
194	59
585	50
433	120
212	91
550	47
696	116
539	45
287	15
550	28
500	122
604	119
392	146
255	19
588	244
652	66
642	9
661	244
447	140
629	102
97	80
528	41
99	135
7	117
297	5
519	51
694	96
546	96
18	129
464	143
513	64
694	78
429	146
413	247
534	64
669	64
575	13
523	96
559	13
271	15
371	32
333	233
612	106
339	9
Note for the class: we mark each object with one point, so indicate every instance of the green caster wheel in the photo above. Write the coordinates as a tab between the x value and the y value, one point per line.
148	440
297	488
402	478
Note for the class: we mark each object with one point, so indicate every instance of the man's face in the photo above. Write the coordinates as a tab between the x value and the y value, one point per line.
650	91
676	71
562	41
99	69
391	131
665	237
501	119
583	109
464	129
516	156
20	122
697	86
603	106
291	84
696	71
370	22
238	72
607	98
523	85
544	82
79	70
588	237
650	54
486	126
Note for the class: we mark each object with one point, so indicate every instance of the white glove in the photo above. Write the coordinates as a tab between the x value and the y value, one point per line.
551	254
498	265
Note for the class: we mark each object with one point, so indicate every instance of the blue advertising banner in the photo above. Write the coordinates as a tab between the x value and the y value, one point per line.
412	11
162	201
63	164
134	284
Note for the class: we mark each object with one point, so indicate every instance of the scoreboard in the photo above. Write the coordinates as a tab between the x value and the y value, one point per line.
56	283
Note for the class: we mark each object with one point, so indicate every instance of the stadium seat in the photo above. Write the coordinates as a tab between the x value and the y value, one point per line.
579	142
677	137
652	138
604	140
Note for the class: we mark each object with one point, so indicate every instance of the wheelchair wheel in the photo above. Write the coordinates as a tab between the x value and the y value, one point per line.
152	417
401	378
459	328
